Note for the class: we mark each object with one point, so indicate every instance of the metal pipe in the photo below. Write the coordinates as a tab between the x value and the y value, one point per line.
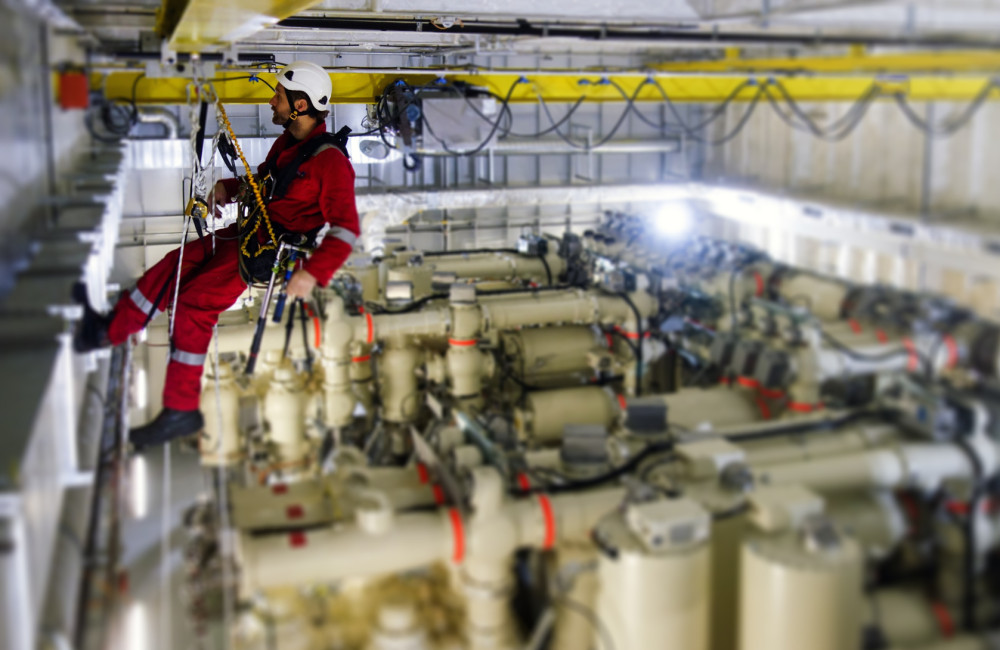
517	147
163	116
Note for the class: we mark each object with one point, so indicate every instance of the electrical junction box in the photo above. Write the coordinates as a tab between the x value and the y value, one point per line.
668	524
455	124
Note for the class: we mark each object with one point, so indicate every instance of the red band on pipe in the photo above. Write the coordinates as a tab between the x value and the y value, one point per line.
297	539
462	342
458	536
523	482
621	401
958	507
855	326
952	347
760	284
881	336
423	473
631	335
279	488
611	340
294	512
771	393
765	410
362	359
805	407
944	620
913	361
550	522
438	494
748	382
371	327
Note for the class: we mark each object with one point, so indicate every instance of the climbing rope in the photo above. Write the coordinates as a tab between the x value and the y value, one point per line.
261	208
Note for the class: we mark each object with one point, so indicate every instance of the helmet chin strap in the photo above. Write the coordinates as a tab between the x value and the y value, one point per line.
291	118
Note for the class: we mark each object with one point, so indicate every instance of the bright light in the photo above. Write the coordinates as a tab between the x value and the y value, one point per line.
138	487
141	387
675	219
136	627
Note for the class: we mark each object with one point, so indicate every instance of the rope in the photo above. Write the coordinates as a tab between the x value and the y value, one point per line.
262	214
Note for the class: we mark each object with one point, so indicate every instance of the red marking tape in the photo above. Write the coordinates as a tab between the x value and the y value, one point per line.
361	359
748	382
881	336
297	539
462	342
371	327
423	473
294	512
757	278
765	410
279	488
952	347
944	620
438	494
523	482
912	361
805	407
458	536
610	339
621	401
855	326
771	393
550	522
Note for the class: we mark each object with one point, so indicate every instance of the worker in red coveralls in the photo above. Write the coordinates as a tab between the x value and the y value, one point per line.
321	193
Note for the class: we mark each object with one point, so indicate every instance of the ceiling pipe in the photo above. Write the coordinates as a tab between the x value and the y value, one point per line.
512	147
160	116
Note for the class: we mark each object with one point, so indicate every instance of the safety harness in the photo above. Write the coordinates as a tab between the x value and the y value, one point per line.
257	258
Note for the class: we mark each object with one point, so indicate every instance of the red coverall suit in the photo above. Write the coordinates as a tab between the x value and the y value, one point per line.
322	192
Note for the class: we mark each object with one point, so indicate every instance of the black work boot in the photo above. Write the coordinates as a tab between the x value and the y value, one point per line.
169	424
92	330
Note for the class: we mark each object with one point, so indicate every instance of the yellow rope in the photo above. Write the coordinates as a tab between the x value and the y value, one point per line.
256	192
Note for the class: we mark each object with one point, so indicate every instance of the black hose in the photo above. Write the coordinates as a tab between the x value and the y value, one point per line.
969	534
638	344
811	426
624	468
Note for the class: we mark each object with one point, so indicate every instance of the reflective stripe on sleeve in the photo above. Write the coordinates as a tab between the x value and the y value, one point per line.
343	234
187	358
144	304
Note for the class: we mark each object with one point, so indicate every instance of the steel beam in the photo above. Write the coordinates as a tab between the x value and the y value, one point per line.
936	61
365	87
212	25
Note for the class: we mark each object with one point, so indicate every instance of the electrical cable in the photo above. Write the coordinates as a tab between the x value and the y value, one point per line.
592	618
548	270
875	358
969	534
638	343
838	130
624	468
811	426
489	136
951	124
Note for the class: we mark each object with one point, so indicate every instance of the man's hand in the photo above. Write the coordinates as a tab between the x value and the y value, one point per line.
221	197
301	284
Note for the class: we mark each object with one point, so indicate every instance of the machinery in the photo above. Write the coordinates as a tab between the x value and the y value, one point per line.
604	440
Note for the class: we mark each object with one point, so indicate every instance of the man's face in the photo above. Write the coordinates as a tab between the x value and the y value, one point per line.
280	109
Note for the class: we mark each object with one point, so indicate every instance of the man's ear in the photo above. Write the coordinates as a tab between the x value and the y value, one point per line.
301	106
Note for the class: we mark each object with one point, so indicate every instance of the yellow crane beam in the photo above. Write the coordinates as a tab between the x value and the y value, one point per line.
365	88
857	61
211	25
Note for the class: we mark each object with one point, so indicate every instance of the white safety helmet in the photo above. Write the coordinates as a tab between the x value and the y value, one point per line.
309	78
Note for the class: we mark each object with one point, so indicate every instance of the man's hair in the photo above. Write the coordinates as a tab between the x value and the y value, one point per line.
295	95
